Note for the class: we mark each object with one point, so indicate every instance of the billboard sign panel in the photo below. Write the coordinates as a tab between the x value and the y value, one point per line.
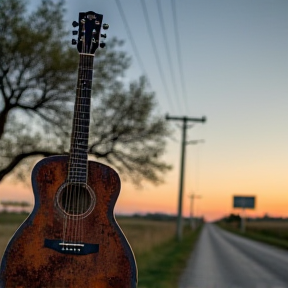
247	202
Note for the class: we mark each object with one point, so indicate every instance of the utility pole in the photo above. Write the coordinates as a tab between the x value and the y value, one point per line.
182	165
192	221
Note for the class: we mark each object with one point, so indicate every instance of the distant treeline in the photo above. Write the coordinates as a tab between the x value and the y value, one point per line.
147	216
157	217
237	218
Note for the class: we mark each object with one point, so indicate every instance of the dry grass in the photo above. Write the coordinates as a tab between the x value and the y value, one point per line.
6	232
267	225
142	234
271	232
160	258
276	229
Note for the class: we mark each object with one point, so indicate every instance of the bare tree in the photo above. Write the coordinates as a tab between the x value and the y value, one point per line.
37	91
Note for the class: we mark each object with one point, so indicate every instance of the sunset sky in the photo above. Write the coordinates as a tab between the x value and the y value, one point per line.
233	70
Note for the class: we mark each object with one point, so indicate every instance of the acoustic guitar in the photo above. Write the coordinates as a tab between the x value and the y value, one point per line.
71	239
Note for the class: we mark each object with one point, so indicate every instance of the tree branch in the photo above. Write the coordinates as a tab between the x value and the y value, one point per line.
17	159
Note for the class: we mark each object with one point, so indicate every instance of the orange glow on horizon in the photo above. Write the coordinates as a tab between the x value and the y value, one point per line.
164	199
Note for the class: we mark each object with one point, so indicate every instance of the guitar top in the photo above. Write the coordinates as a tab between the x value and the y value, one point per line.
71	239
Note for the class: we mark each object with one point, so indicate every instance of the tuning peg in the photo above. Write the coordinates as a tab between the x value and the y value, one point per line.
74	42
102	44
75	32
105	26
75	24
103	35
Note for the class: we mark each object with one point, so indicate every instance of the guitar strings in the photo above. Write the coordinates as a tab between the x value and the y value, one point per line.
77	195
82	108
73	167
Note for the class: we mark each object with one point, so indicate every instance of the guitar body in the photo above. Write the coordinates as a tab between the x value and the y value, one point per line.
28	261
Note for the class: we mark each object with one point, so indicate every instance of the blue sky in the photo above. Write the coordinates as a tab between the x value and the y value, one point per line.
235	70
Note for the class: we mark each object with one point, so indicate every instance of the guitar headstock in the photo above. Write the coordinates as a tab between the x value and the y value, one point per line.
89	32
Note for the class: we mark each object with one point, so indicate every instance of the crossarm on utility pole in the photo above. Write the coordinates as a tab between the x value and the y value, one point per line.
203	119
182	165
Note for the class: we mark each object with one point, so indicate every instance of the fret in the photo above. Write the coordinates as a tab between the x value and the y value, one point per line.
89	89
80	141
84	121
83	112
85	68
78	171
79	154
81	119
85	149
84	127
83	98
79	165
84	105
81	122
80	150
83	116
77	158
77	179
84	82
82	144
84	134
79	138
78	126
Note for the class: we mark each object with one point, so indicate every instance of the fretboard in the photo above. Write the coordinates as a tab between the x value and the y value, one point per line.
81	120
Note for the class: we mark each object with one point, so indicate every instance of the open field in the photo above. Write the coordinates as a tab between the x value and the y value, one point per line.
142	234
277	229
271	232
160	258
162	266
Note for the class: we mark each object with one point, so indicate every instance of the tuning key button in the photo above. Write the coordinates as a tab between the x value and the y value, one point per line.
103	35
105	26
75	32
75	24
74	42
102	44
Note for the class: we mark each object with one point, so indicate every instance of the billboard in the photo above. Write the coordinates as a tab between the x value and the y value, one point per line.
247	202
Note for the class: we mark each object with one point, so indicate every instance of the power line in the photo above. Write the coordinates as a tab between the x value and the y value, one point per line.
152	40
169	58
179	56
134	47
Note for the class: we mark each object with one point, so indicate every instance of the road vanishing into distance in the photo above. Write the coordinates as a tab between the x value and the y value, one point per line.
224	260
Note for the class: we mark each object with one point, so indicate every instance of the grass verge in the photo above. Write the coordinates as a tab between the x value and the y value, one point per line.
280	243
162	265
160	258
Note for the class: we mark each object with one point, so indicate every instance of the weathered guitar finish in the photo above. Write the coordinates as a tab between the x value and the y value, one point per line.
71	239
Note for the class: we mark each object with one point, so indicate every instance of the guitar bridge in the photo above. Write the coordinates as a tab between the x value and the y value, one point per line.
71	248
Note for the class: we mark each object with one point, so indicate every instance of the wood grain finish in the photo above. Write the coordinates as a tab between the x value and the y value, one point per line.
28	264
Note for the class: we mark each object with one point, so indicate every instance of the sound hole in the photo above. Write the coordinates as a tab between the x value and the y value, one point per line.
75	199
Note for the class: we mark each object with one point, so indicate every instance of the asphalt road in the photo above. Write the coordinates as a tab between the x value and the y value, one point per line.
224	260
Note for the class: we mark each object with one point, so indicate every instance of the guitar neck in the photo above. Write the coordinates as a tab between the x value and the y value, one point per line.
80	132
